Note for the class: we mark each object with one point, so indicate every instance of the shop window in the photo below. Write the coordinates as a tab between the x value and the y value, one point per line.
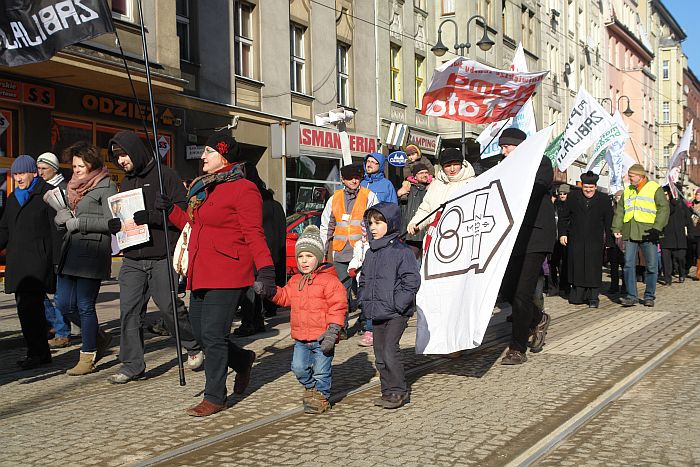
7	129
311	181
66	132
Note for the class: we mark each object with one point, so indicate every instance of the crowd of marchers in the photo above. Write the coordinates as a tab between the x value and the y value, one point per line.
366	255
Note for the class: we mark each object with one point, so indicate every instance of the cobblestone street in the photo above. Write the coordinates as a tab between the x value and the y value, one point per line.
469	410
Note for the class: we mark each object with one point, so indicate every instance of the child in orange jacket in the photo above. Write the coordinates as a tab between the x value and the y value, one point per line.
319	304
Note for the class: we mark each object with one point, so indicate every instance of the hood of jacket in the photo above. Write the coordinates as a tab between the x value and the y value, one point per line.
392	214
379	175
465	173
138	152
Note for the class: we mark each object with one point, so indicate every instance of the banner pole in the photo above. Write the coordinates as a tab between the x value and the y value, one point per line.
171	279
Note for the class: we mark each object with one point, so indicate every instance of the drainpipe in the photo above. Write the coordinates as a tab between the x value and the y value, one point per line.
376	65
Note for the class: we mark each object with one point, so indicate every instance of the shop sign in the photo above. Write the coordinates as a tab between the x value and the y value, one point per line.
125	109
328	141
426	143
397	159
163	146
25	93
193	152
4	123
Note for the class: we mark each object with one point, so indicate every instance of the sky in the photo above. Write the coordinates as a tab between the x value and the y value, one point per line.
684	11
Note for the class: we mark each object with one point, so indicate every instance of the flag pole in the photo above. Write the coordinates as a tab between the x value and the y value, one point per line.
156	154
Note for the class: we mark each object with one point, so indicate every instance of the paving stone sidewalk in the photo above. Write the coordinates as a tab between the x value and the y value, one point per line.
469	409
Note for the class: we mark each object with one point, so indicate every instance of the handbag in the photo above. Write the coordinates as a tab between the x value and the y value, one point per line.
180	255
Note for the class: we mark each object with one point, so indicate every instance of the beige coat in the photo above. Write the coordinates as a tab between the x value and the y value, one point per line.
439	191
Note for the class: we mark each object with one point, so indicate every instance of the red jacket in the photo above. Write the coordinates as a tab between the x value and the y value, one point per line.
320	302
227	237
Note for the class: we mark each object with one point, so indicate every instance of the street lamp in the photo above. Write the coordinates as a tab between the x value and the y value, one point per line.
440	49
627	112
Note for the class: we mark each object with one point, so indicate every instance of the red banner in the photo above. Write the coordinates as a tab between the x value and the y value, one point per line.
468	91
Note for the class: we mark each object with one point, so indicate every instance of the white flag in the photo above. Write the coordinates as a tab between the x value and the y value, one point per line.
525	120
587	123
618	164
469	249
616	134
675	164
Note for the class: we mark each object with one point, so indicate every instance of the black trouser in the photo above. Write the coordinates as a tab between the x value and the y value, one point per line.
387	354
673	258
518	288
558	270
617	262
251	310
211	315
30	309
581	295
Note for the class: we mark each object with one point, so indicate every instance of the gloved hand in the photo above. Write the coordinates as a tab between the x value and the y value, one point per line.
352	272
163	203
62	217
73	224
142	217
265	282
329	338
114	225
652	235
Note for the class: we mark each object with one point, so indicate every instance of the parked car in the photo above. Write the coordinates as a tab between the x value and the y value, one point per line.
295	226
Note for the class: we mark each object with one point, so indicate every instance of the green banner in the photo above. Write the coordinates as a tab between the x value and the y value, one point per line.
553	148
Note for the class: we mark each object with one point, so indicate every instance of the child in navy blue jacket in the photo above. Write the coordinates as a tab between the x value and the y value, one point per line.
387	295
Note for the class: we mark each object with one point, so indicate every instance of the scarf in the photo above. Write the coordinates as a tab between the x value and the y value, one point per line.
78	187
198	189
23	195
351	194
56	180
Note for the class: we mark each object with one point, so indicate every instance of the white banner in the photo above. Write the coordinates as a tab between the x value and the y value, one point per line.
675	164
617	133
525	120
588	121
469	250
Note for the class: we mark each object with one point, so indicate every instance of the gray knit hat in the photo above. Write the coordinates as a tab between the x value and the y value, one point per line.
49	159
310	241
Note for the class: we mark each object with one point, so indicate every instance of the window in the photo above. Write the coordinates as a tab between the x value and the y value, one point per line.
666	112
527	31
343	79
664	69
395	64
296	52
122	9
420	4
182	15
243	39
448	7
485	9
667	155
420	80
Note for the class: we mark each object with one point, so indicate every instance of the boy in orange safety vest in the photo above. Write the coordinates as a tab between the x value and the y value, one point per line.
341	226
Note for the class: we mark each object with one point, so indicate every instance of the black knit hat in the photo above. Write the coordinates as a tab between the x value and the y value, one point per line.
352	171
589	178
417	168
225	144
512	136
450	155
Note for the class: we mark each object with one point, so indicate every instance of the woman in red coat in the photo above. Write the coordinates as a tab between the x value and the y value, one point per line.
226	245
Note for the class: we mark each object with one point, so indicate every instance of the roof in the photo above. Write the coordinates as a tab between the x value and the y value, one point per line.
670	20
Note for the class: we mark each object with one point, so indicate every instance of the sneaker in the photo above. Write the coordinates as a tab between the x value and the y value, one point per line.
628	301
648	302
59	342
379	401
539	333
394	401
513	357
367	339
121	378
195	361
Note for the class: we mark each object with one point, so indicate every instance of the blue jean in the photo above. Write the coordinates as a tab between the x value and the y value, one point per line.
649	250
80	292
312	367
55	318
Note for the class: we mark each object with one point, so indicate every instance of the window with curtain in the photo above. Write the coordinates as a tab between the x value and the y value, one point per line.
343	74
298	63
420	80
395	64
243	39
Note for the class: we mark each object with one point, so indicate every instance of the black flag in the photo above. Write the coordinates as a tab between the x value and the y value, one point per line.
34	30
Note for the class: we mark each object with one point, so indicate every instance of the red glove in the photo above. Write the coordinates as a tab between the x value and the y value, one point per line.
352	272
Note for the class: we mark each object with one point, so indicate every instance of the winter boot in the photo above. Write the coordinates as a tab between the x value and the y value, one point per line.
317	404
86	364
103	340
307	397
697	270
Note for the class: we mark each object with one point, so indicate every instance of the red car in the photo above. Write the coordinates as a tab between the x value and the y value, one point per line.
295	226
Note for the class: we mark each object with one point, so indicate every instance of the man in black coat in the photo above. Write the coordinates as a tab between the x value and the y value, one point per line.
26	230
535	240
674	241
559	260
144	271
584	226
411	195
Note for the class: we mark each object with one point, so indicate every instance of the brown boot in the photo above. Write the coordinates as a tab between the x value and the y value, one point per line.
317	404
59	342
204	409
86	364
697	270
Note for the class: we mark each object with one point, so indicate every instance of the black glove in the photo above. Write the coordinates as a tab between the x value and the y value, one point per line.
142	217
114	225
652	235
265	282
163	203
329	338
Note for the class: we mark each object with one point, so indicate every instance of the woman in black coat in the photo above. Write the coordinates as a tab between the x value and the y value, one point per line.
26	232
674	240
583	227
